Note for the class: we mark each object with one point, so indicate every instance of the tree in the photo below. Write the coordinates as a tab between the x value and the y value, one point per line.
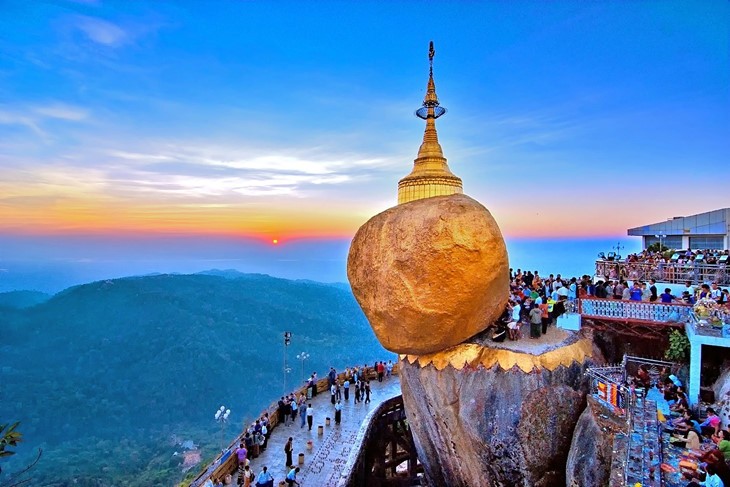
10	437
678	347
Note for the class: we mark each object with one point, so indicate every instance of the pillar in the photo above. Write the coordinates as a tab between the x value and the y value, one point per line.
695	369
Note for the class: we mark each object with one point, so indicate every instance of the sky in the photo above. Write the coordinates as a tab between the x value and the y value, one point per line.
125	126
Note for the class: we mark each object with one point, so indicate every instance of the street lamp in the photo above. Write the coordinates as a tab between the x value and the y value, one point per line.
221	416
660	237
618	248
303	356
287	341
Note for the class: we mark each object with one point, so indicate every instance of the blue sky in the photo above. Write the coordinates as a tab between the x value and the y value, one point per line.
289	120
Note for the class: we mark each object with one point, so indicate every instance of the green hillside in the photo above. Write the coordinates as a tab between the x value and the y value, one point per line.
22	299
107	375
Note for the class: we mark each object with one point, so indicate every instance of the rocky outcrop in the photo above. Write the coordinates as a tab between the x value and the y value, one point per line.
590	456
722	395
429	273
481	425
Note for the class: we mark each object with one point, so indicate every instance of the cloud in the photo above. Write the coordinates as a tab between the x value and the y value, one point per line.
102	32
33	117
62	112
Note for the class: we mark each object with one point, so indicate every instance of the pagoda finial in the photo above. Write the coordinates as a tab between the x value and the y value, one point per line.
431	175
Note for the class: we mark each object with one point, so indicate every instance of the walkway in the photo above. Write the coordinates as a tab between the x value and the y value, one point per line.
330	451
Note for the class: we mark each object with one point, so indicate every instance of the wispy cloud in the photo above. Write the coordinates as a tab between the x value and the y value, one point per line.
102	32
61	111
33	117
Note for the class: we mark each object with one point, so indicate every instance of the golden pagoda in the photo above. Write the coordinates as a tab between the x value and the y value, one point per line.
431	175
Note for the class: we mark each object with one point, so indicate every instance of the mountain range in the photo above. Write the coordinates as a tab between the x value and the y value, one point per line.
109	377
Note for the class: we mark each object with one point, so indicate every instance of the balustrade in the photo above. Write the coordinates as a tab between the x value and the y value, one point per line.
634	310
671	272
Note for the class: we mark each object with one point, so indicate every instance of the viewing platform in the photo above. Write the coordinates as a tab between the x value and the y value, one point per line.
664	272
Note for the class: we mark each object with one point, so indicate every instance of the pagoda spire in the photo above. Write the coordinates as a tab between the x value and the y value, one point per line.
431	175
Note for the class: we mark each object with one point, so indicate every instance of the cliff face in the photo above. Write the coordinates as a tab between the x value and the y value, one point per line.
589	460
495	426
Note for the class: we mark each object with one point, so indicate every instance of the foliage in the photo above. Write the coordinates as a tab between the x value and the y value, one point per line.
679	346
655	247
9	436
110	376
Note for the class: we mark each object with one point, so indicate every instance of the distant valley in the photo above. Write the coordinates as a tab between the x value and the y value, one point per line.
107	377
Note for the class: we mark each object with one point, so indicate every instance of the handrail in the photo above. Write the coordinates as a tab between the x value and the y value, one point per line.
634	310
671	272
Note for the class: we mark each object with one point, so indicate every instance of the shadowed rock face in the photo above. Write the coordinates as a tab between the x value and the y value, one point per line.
591	451
491	427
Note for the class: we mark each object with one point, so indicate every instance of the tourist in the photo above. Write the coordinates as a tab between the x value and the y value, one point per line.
381	371
711	480
723	443
333	392
535	322
248	477
627	292
288	449
544	316
711	425
314	384
357	391
294	408
331	377
367	392
241	454
645	293
291	477
281	410
264	478
618	290
690	440
338	412
346	389
338	390
389	367
653	291
310	416
667	296
303	413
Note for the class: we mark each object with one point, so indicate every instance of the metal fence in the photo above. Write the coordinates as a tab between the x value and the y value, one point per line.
671	272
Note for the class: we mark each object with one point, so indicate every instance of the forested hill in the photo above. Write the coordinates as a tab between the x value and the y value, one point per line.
22	299
103	375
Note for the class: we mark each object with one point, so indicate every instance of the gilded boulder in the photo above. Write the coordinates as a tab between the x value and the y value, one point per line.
429	273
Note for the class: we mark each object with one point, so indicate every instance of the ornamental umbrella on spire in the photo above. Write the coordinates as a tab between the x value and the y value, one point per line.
431	175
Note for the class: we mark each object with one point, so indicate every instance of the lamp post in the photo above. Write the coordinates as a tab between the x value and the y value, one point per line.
221	416
287	341
618	248
660	237
302	357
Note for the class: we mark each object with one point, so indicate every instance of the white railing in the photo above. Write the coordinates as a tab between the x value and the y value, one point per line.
671	272
634	310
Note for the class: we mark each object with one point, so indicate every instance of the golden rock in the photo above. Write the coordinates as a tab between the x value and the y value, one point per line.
429	273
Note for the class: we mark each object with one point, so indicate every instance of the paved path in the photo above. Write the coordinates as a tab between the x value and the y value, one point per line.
322	465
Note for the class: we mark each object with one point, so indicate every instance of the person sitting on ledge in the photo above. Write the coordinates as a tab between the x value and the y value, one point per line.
711	425
711	480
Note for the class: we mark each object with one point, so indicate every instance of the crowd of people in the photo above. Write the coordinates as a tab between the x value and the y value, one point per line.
669	266
537	301
255	438
706	441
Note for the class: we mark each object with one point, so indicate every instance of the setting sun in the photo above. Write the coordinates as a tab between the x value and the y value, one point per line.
275	241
